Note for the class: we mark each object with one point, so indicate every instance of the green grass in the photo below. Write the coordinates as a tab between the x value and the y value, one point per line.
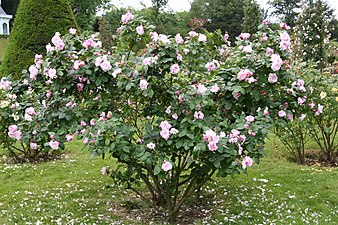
3	45
73	191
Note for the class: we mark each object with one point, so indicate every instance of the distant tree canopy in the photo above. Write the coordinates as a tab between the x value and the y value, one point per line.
252	16
286	10
34	26
224	15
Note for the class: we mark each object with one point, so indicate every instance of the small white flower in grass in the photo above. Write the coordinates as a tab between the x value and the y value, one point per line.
72	31
166	166
151	145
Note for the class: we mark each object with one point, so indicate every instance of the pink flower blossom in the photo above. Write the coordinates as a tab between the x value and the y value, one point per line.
276	62
201	89
246	126
266	111
192	34
52	73
92	122
69	137
210	66
57	42
144	85
269	51
243	74
140	30
166	166
165	125
174	69
250	80
179	39
79	86
105	66
151	145
281	113
88	43
104	171
77	64
85	141
302	117
301	101
127	17
319	110
198	115
272	78
236	95
212	146
285	43
83	123
175	116
214	88
116	72
54	144
246	162
30	111
165	134
33	145
247	49
210	136
164	39
33	72
202	38
72	31
249	119
173	131
244	36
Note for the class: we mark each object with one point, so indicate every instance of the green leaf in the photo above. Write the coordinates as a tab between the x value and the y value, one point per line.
157	170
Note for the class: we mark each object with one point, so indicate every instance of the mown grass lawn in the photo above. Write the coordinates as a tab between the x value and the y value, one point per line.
3	45
73	191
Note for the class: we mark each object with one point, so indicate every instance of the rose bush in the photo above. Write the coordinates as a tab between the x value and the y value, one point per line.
173	114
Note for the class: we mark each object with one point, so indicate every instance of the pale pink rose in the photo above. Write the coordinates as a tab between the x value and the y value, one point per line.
104	171
54	144
140	30
319	110
69	137
165	134
285	43
164	39
127	17
272	78
269	51
210	136
30	111
154	36
12	128
116	72
83	123
250	80
284	26
186	51
212	146
38	59
222	134
33	145
290	117
302	117
201	89
49	48
202	38
72	31
246	162
192	34
179	39
139	141
249	119
85	141
243	74
57	42
166	166
147	61
33	72
198	115
77	64
151	145
49	94
175	116
88	43
165	125
236	95
173	131
246	126
210	66
266	111
52	73
301	101
174	69
214	88
276	62
244	36
226	37
179	57
92	122
105	66
79	86
144	85
98	61
281	113
247	49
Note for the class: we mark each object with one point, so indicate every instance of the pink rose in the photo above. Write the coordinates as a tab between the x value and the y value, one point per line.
140	30
165	125
104	171
249	119
127	17
202	38
244	36
33	145
79	86
272	78
247	162
57	42
281	113
174	69
69	137
151	145
54	144
214	88
52	73
212	146
166	166
198	115
105	66
247	49
165	134
33	72
72	31
179	39
143	85
193	34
